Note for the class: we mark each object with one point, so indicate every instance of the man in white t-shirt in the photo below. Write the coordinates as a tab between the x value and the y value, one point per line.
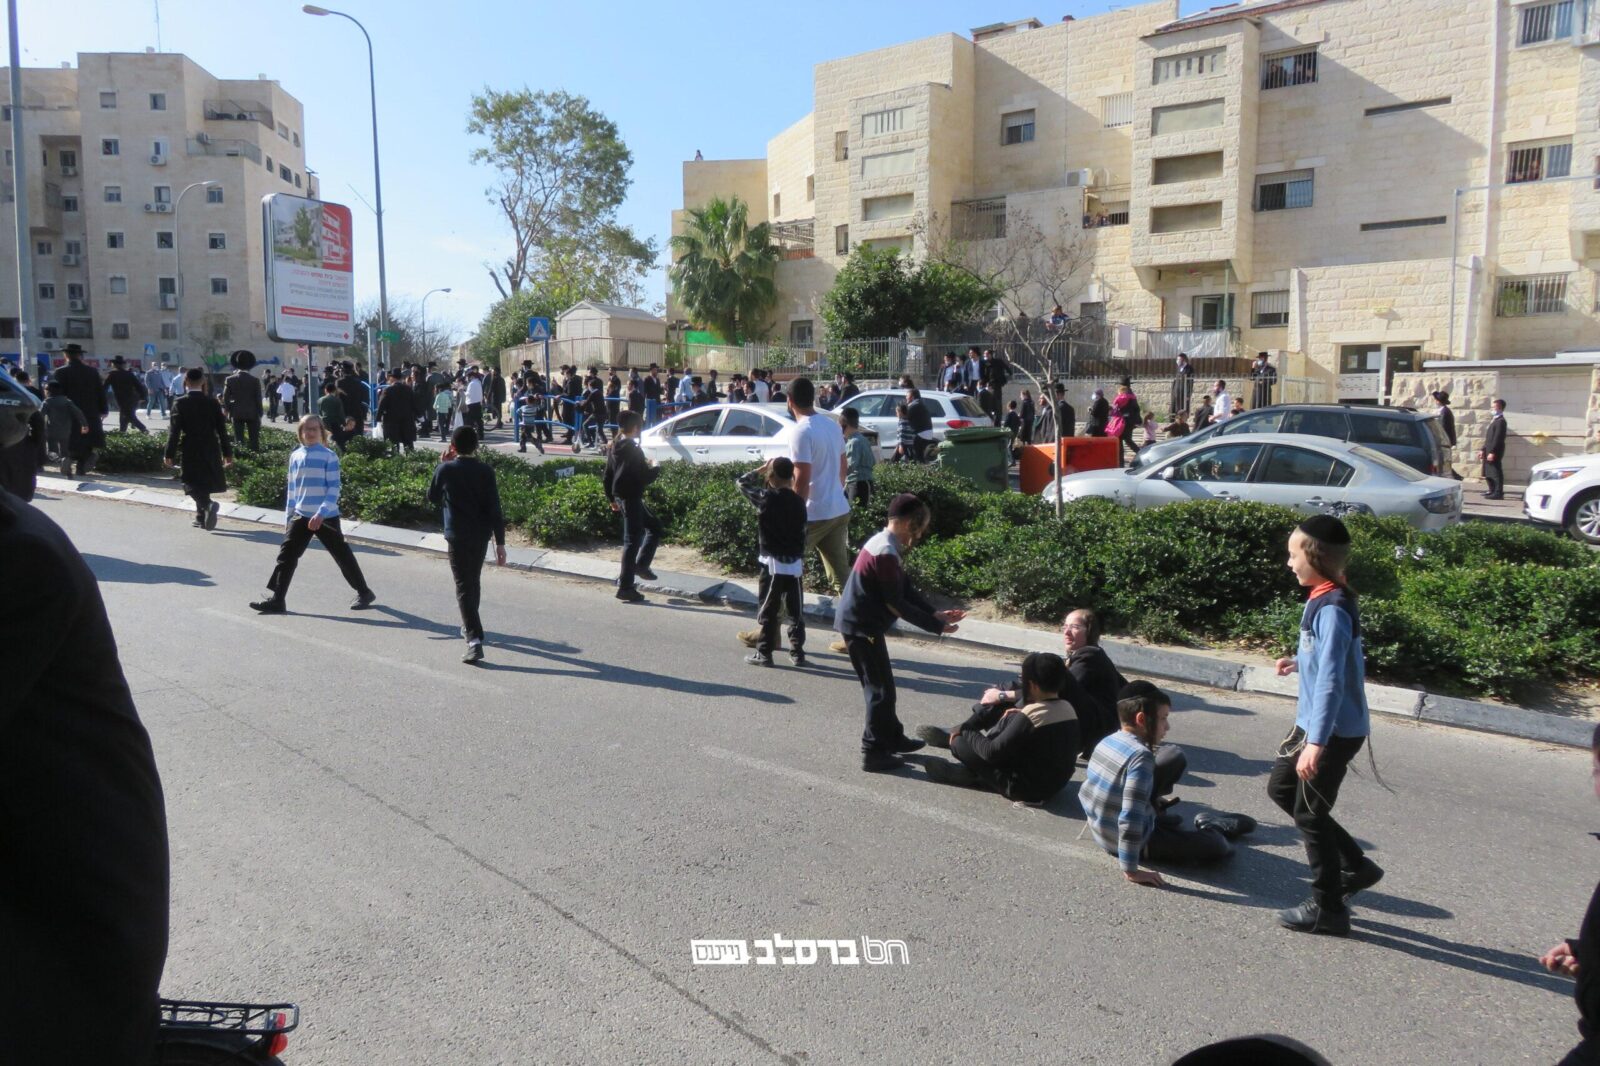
286	395
762	387
816	444
1223	405
473	415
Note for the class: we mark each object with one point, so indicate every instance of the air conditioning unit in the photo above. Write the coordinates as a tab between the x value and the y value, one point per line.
1080	179
150	208
158	160
69	260
69	172
203	137
231	151
77	305
163	209
169	301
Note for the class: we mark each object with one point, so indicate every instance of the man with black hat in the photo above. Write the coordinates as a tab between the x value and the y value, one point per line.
354	395
81	384
199	433
129	392
241	399
1263	376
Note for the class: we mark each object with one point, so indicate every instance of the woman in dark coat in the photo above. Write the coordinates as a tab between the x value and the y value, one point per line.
197	436
397	413
1099	411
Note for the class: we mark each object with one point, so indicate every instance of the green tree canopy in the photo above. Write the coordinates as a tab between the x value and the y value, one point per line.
725	269
881	293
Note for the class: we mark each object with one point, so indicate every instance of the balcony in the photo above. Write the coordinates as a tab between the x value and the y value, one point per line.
205	144
236	110
78	329
1195	343
1106	205
796	238
978	220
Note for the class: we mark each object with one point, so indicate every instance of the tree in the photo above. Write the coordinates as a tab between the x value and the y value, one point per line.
881	293
725	269
561	172
506	323
405	318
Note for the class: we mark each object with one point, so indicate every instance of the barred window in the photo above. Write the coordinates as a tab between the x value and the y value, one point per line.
1545	22
1116	110
1535	294
1284	191
1289	68
877	123
1538	160
1189	65
1017	127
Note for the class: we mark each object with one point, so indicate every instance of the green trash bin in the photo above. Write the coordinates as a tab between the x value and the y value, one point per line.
981	454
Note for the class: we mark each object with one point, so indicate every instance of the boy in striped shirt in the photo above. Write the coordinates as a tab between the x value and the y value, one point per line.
313	511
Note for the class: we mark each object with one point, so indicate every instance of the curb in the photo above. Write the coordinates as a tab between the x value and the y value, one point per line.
1175	664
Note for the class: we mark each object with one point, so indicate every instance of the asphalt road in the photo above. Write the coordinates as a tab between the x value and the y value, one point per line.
506	864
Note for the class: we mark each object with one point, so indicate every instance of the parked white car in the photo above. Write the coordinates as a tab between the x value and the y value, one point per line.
1566	493
949	410
720	433
1309	474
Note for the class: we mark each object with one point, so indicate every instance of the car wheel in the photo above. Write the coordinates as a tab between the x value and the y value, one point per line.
1583	519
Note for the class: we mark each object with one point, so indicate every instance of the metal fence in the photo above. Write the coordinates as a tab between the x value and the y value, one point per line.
874	359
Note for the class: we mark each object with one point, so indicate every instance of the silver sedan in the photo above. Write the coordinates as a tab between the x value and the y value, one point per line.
1308	474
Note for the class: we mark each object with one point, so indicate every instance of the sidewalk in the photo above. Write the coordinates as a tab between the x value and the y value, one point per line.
1215	668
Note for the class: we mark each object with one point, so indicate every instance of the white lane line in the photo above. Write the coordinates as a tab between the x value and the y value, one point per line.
460	679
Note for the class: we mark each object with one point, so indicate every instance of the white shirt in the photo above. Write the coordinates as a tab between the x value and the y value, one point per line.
1223	405
685	389
818	440
286	391
474	390
763	390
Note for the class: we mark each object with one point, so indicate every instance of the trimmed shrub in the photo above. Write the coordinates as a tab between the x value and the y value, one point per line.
724	527
573	510
264	488
132	453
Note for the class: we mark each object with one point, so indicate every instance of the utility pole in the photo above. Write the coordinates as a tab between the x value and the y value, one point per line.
19	201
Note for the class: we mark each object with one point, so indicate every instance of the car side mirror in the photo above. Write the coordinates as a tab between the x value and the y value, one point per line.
1169	473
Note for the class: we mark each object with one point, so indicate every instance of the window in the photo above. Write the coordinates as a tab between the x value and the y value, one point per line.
159	147
800	334
163	238
1116	110
114	239
110	146
219	286
1404	223
1538	160
294	138
221	331
45	248
841	240
1289	68
1222	462
1297	466
72	247
167	286
67	158
113	194
108	101
69	204
1254	422
699	424
75	290
878	123
1285	191
1178	168
1375	429
1268	309
297	181
880	207
740	422
118	284
47	290
119	330
811	187
283	131
888	244
44	155
1180	118
1536	294
841	146
1185	217
1017	127
158	101
1317	424
1545	22
269	164
162	194
1413	105
777	204
8	157
48	333
217	242
1189	65
888	164
213	194
285	173
169	331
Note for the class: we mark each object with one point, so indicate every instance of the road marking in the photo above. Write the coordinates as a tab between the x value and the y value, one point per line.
461	679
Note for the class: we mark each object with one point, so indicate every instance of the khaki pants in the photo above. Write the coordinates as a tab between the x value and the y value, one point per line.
829	538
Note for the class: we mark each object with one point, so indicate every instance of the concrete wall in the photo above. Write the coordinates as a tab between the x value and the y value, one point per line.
789	164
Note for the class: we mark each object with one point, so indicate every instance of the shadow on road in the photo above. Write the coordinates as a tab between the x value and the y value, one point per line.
1491	962
261	536
126	571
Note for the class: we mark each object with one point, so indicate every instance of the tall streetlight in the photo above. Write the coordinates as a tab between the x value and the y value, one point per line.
177	247
377	177
424	326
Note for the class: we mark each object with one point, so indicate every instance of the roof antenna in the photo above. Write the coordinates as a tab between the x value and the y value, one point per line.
158	25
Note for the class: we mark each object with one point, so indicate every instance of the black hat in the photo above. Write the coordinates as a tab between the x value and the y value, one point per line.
1325	528
243	359
1442	396
72	349
117	360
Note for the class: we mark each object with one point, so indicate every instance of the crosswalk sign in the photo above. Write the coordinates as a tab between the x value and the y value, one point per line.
538	329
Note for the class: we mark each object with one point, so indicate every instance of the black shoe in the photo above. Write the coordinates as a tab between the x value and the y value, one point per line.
211	516
474	653
1362	877
906	744
933	736
536	444
364	599
522	447
1309	917
630	595
272	605
798	658
646	573
877	762
758	658
1232	826
951	773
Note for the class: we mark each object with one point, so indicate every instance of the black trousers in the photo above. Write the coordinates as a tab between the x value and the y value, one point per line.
859	493
297	537
466	566
1329	848
247	427
128	415
641	532
474	418
870	657
201	498
1495	474
1176	844
779	593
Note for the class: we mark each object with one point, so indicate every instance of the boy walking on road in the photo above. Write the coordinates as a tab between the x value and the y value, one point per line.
198	435
464	486
782	553
627	475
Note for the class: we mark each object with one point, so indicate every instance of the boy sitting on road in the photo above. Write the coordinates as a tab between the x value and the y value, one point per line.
782	553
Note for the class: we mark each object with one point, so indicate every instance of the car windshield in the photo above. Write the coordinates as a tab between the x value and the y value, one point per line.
1388	462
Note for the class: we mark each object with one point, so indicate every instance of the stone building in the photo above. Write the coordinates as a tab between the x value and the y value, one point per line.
111	146
1300	176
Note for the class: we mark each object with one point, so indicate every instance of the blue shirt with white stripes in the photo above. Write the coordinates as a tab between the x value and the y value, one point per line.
313	483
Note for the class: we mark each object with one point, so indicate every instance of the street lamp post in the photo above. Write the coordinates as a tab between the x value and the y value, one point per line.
377	177
424	315
177	247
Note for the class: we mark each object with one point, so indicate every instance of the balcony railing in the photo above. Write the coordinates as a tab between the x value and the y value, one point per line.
235	110
795	238
978	220
1195	343
224	146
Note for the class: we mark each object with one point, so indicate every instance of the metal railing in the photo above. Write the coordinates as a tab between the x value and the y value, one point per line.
235	110
1195	343
224	146
879	358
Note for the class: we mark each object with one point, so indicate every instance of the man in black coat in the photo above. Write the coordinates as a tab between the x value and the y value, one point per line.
354	394
1263	376
1493	453
241	399
129	392
465	488
198	432
83	900
1066	417
397	413
81	384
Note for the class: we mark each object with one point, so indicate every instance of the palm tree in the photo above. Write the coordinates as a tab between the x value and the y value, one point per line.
724	271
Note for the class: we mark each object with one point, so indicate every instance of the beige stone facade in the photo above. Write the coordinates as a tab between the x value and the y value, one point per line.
1289	167
112	145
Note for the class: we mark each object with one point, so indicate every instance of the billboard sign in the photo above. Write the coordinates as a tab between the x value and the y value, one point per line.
310	285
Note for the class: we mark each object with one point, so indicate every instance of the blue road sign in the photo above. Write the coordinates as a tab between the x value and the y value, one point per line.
150	350
538	329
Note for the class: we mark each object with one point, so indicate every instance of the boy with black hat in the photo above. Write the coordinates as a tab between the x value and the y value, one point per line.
782	552
81	384
129	392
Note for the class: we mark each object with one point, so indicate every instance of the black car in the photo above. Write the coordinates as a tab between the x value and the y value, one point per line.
1410	436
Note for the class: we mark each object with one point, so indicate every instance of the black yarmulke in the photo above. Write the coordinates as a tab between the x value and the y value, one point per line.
1326	528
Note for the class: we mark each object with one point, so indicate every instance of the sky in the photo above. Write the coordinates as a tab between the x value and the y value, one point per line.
719	76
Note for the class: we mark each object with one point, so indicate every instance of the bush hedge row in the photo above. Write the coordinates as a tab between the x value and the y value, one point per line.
1481	608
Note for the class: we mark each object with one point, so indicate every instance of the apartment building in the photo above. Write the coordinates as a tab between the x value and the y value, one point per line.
113	143
1278	174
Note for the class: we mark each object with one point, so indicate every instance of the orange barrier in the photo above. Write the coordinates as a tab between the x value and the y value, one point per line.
1078	453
